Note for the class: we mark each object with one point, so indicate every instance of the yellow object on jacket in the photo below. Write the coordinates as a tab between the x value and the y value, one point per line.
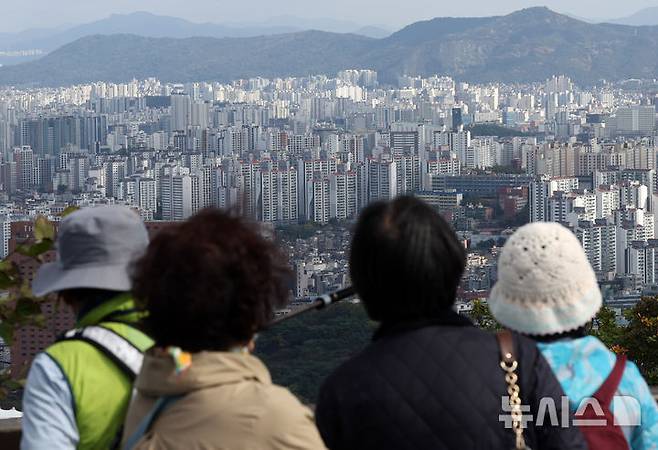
227	401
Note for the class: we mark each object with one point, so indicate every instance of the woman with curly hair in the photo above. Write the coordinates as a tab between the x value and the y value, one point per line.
209	284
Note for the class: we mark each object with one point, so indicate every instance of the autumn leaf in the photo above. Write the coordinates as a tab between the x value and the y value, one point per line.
43	229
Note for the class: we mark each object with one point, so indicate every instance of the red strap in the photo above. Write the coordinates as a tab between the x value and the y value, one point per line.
607	390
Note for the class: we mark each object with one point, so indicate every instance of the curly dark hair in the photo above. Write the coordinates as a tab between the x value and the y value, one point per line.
406	261
210	283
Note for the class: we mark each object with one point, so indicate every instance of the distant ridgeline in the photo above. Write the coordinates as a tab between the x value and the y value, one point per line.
528	45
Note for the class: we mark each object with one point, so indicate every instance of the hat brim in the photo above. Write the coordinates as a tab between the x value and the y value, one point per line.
51	277
544	319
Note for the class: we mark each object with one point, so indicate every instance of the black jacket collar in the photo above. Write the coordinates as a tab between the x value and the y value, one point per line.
448	318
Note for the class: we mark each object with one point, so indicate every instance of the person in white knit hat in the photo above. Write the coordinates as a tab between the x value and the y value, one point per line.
548	291
537	290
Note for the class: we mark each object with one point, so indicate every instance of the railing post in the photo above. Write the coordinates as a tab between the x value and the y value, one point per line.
10	434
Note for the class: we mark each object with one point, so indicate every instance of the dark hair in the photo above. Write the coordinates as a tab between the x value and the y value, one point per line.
210	283
88	295
406	261
83	300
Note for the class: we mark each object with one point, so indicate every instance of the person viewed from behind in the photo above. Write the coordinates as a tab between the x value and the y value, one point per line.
548	291
78	389
210	284
429	379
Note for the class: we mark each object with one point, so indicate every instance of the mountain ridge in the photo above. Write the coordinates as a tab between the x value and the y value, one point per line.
527	45
644	17
146	24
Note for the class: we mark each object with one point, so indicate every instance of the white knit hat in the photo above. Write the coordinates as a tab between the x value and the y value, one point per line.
545	282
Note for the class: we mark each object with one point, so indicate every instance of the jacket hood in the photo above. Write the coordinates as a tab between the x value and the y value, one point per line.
209	369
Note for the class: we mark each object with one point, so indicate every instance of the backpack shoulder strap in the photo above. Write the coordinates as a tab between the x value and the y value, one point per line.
149	419
119	349
607	390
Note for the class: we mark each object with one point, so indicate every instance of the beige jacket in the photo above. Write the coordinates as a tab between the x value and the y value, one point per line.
228	402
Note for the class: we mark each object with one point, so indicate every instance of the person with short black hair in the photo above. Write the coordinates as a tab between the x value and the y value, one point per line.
210	284
405	262
429	379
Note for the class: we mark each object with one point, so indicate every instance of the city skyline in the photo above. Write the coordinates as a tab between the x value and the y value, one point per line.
304	154
37	14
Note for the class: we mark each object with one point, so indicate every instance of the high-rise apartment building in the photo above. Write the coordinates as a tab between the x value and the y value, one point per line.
382	179
321	198
598	239
181	111
8	173
457	120
404	142
78	166
279	198
115	172
250	188
24	159
5	234
176	194
636	120
541	190
343	195
140	192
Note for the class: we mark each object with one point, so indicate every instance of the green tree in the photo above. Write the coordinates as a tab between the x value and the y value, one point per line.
301	352
640	338
605	328
482	317
298	231
486	245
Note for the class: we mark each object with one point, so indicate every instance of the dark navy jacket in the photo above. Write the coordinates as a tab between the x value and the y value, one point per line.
436	385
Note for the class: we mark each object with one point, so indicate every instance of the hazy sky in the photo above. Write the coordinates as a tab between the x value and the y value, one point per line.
17	15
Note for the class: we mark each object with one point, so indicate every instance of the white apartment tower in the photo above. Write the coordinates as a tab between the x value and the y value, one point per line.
176	195
279	196
115	172
382	179
343	199
599	242
321	199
